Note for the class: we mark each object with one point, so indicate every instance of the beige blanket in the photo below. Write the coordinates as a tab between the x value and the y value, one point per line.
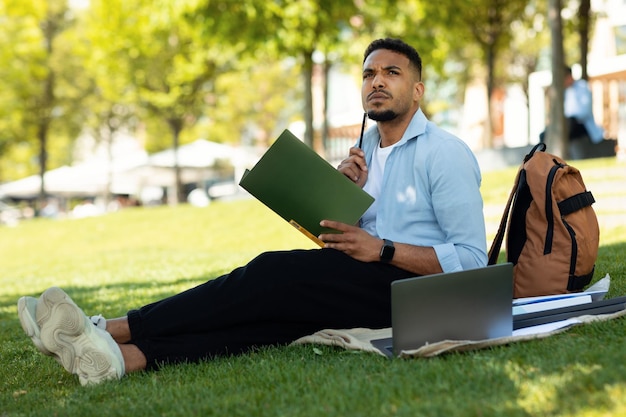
360	338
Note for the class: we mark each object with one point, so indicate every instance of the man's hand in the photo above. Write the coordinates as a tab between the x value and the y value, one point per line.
354	167
357	243
352	240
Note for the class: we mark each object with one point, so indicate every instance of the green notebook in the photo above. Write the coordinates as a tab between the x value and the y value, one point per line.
302	188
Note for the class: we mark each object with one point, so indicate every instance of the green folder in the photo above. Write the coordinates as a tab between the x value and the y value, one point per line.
302	188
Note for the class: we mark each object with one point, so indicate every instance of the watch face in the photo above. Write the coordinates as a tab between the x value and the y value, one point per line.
387	251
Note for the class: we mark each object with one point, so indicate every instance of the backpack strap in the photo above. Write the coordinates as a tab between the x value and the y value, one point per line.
576	202
533	150
494	252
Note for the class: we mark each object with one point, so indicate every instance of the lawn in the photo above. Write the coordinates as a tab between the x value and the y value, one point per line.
123	260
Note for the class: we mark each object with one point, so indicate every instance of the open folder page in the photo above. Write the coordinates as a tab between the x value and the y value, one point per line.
303	188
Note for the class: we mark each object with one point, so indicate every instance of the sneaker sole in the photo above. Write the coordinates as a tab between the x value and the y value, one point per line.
68	333
29	325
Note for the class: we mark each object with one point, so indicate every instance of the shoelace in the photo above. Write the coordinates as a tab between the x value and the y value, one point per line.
99	321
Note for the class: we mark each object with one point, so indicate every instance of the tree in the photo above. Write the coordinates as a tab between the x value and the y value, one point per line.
304	27
253	101
43	82
487	23
172	65
446	54
528	48
110	108
584	24
556	136
15	85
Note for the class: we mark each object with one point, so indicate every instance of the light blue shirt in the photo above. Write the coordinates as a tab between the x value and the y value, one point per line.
578	104
430	195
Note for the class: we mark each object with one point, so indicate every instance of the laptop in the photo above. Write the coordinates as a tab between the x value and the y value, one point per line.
608	306
473	304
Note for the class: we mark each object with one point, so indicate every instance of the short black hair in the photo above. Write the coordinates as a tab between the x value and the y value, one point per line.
398	46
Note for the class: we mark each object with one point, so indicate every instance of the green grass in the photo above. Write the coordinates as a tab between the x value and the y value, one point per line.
124	260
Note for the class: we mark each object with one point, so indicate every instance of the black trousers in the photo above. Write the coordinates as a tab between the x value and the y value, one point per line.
273	300
575	130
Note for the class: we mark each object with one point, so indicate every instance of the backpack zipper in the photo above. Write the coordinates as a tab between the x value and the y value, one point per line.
547	246
572	235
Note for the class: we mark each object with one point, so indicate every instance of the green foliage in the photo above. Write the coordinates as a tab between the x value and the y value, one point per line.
43	84
123	260
193	67
265	95
171	72
529	46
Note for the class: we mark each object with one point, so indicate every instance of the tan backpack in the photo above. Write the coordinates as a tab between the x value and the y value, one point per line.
553	236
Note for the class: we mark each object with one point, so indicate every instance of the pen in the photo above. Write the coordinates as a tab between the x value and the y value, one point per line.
362	130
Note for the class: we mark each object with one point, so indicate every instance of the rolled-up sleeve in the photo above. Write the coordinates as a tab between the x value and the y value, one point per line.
431	197
458	207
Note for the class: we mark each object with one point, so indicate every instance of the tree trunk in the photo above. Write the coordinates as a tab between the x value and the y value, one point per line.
42	136
178	194
50	29
556	136
110	133
583	32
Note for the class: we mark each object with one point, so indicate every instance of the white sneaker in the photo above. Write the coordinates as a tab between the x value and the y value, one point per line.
26	310
83	349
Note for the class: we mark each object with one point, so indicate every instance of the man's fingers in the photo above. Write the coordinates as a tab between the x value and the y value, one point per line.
332	224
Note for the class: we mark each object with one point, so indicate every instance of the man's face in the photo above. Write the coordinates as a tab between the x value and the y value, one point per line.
390	86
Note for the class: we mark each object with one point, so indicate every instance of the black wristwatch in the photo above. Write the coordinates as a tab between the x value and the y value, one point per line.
387	251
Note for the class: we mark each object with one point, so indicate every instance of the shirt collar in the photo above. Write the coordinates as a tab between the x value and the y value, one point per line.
416	127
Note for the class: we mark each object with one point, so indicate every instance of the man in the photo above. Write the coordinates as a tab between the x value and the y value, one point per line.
579	114
427	219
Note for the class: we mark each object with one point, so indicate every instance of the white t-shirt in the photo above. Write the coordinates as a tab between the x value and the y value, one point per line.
373	186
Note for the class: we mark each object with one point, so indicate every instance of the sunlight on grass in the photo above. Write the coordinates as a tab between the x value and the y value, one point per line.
540	394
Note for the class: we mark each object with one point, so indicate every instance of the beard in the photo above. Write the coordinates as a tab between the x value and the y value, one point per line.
382	116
